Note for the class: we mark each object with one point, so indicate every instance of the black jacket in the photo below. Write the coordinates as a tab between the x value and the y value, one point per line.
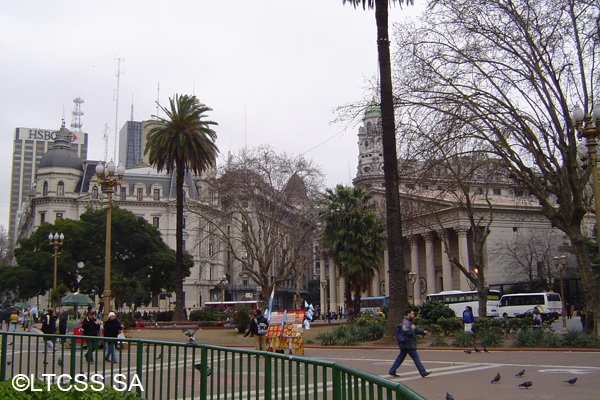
253	329
62	324
112	328
49	324
90	328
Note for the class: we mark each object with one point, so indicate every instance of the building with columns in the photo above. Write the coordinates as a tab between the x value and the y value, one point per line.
436	226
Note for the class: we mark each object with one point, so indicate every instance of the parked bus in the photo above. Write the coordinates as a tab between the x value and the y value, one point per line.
373	304
457	300
230	305
512	305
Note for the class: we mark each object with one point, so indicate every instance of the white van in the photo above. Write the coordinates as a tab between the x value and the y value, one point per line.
513	305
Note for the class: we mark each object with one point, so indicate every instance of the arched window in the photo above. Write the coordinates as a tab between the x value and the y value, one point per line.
95	192
45	189
60	189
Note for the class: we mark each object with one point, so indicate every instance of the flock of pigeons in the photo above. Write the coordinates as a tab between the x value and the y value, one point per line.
495	379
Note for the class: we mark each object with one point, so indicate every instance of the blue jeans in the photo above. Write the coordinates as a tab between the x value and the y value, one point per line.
413	354
110	349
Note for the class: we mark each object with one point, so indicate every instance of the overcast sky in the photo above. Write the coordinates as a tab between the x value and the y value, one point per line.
273	71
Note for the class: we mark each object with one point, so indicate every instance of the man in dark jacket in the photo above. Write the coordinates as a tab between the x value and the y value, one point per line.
408	344
258	329
112	328
49	327
91	327
63	319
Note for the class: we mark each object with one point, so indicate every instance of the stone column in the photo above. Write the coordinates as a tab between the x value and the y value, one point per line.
323	285
446	265
429	263
414	267
463	257
341	286
375	285
333	282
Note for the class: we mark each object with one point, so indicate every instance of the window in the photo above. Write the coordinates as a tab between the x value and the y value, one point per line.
42	217
45	189
140	194
95	192
156	222
59	215
496	192
156	194
123	193
60	189
183	223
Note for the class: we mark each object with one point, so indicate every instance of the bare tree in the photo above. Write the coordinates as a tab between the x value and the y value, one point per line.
510	72
266	217
6	248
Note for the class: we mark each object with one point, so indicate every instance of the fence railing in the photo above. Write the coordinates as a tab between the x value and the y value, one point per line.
165	370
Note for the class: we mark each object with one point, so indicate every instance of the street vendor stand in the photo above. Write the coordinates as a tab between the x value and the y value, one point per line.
285	331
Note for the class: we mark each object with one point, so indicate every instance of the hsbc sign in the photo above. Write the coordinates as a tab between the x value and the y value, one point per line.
43	135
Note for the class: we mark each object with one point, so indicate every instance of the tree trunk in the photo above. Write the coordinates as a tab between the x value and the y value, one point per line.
398	296
179	314
590	284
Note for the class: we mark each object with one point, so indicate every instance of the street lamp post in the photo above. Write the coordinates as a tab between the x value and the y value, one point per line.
223	282
56	240
109	182
561	263
588	127
412	278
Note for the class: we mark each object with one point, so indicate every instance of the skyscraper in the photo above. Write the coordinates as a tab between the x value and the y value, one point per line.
130	144
29	146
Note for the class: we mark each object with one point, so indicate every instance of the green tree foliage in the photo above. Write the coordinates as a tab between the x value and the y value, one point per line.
137	253
182	141
354	237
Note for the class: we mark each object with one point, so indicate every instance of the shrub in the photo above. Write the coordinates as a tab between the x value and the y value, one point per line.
491	338
438	341
434	310
207	314
164	316
241	318
449	325
464	339
575	338
8	392
340	336
528	338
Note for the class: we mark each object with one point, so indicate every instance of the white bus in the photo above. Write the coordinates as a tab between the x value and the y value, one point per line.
513	305
458	300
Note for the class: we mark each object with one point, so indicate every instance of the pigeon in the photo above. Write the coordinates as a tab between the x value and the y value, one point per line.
571	381
520	373
468	351
476	349
158	357
485	350
45	362
496	378
449	396
59	362
525	384
9	362
10	344
199	368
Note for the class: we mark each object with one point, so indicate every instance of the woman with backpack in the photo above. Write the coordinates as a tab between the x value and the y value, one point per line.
258	329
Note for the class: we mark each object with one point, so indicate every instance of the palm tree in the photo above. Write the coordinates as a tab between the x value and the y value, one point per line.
182	141
398	301
353	236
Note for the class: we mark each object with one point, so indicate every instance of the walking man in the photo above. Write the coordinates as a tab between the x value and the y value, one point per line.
407	342
91	327
112	328
49	328
258	329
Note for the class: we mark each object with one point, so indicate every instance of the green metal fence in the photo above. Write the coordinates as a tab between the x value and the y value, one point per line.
164	370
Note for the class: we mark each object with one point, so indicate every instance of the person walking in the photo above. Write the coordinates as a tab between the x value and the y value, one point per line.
63	319
49	328
14	319
258	329
468	319
91	327
407	342
112	328
328	316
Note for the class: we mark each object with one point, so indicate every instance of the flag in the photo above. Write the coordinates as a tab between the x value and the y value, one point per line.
268	313
306	304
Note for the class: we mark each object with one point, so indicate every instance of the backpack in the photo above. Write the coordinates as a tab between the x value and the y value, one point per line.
400	337
262	329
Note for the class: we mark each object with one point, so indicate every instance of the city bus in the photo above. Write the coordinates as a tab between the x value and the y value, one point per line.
373	304
457	301
512	305
230	305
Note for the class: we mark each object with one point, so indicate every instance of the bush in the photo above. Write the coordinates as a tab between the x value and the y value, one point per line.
8	392
207	314
449	325
438	341
241	318
164	316
529	338
575	338
491	338
464	339
340	336
366	327
434	310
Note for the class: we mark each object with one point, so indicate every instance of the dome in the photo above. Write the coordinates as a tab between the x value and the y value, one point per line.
61	155
373	110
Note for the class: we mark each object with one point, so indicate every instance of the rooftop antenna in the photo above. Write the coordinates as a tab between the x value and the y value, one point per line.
118	75
105	138
157	99
131	118
76	115
245	128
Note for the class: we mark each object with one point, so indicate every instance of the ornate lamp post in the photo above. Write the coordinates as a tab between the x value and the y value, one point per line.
109	182
561	263
588	127
412	278
223	282
56	240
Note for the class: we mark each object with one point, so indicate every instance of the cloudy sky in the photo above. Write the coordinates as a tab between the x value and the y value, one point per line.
273	71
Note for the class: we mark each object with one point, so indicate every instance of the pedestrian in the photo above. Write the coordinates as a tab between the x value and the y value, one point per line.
407	342
582	317
468	319
91	327
328	315
49	328
258	329
112	328
7	315
537	315
14	319
2	317
63	319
